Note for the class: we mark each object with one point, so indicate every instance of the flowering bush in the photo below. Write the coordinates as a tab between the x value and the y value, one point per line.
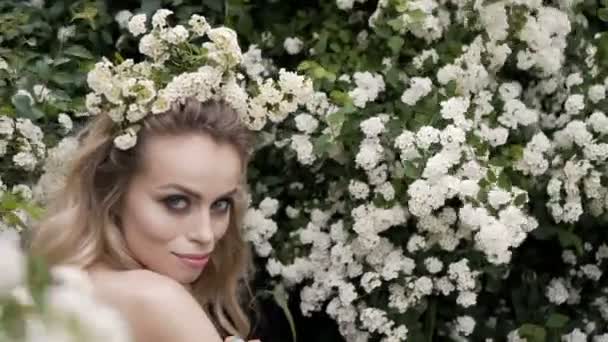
38	304
447	178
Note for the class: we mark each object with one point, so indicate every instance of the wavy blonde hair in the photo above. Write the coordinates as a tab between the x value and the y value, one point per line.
81	225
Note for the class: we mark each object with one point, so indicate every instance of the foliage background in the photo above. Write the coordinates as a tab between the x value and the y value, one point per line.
31	46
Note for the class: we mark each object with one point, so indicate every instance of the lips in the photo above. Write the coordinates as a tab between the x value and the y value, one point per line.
192	256
198	261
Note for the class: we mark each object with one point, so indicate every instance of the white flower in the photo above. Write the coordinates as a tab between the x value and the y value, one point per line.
592	272
293	45
597	93
598	122
306	123
42	93
224	49
574	104
373	126
369	86
126	140
66	32
23	190
137	24
556	291
25	160
12	264
433	265
3	64
7	126
464	325
199	24
370	154
304	148
358	189
269	206
122	18
495	20
454	108
575	335
426	136
498	197
510	90
370	281
65	121
419	88
345	4
153	47
466	299
159	19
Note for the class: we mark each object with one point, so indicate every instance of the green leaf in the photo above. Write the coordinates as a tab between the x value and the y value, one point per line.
395	43
411	170
216	5
322	144
12	320
88	14
78	51
150	6
339	97
516	152
23	106
557	321
533	333
63	78
431	319
38	278
281	297
602	13
569	239
491	176
305	65
504	181
520	199
321	46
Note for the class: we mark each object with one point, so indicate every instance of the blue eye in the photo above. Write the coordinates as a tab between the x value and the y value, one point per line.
222	205
176	202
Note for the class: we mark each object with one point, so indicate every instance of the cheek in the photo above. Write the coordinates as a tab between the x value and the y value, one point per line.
145	221
221	227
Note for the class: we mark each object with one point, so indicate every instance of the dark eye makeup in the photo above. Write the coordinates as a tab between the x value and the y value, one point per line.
176	202
180	203
223	205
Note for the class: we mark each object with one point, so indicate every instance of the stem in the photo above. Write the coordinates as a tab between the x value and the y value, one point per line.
431	319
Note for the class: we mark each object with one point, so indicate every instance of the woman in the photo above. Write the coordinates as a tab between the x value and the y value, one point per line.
157	226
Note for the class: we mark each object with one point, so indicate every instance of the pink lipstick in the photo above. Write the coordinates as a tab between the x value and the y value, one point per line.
193	260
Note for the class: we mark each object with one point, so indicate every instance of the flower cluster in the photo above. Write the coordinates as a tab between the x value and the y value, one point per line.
181	64
451	164
60	308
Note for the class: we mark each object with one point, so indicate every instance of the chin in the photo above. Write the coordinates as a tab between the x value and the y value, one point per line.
186	278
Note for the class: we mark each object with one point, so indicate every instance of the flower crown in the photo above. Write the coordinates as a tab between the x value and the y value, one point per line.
181	62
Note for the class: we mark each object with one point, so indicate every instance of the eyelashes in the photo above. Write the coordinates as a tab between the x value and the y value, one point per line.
176	202
227	203
181	204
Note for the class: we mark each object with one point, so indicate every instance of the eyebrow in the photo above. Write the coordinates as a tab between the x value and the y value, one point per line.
194	193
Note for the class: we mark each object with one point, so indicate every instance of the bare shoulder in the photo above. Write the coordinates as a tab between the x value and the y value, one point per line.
157	307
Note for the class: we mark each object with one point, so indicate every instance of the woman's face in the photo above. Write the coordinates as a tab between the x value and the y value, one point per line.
178	204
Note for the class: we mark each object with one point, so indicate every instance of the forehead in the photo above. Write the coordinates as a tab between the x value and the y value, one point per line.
195	161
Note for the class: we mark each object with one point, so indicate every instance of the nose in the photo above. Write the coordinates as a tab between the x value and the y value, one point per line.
202	230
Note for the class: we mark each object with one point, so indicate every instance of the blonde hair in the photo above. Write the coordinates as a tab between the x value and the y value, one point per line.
80	227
